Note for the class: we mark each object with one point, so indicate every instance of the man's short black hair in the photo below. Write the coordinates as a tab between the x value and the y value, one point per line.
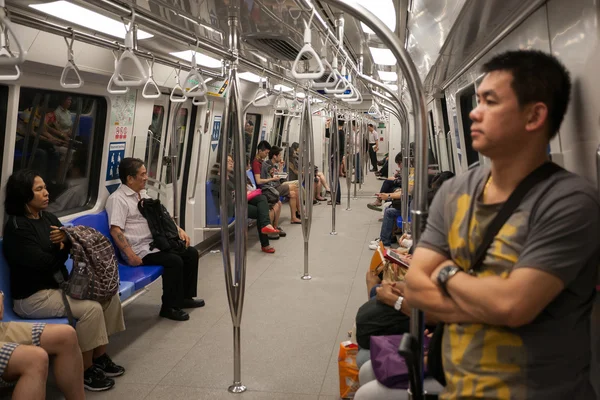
537	77
263	145
129	166
275	151
341	121
249	122
398	158
295	145
371	125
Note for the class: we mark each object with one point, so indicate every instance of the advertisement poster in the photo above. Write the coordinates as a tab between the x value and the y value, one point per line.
217	88
122	113
116	152
216	132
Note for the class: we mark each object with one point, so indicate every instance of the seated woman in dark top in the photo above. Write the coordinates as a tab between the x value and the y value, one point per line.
36	250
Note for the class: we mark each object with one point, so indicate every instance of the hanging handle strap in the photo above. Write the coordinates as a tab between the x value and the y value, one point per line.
308	51
110	89
151	84
70	67
175	98
128	54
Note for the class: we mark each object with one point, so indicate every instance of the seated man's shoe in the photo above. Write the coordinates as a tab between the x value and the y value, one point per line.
176	314
193	303
107	366
94	380
281	232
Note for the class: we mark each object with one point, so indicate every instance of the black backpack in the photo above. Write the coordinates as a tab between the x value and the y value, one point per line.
165	234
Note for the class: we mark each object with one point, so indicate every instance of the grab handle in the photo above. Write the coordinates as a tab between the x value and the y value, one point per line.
307	49
70	67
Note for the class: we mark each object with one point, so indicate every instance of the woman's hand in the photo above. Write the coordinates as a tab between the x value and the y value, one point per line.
184	236
57	236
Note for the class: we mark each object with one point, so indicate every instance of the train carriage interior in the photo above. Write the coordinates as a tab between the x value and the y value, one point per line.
194	88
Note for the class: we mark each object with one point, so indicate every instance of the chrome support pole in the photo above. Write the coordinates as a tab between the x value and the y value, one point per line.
235	281
173	156
349	159
415	88
334	162
356	150
307	174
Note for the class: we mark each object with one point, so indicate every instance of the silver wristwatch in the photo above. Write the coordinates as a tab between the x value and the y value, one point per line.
398	304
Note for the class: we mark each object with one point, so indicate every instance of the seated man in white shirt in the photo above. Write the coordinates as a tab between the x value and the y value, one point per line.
131	233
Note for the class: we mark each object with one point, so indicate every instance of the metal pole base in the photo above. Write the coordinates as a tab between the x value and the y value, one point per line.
348	209
237	387
306	277
333	233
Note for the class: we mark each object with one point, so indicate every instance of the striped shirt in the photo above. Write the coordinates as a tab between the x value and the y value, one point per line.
122	209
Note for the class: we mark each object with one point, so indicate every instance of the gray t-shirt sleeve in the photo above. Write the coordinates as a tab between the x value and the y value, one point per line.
435	236
559	238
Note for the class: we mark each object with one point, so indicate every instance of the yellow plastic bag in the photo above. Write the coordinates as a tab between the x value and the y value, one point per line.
348	369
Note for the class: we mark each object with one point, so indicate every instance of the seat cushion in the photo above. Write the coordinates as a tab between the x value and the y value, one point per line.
140	276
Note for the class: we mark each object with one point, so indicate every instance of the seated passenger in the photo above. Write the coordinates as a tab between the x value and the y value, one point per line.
24	351
389	185
519	325
132	236
286	189
36	250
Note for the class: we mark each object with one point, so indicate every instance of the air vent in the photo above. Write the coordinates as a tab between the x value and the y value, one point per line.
275	46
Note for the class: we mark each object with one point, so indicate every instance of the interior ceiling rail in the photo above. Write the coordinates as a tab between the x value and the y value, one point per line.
145	18
46	26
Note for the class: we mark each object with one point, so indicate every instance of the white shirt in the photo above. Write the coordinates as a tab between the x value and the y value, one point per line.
122	209
63	119
373	137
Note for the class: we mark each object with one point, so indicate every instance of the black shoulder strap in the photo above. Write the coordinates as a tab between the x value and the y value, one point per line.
540	174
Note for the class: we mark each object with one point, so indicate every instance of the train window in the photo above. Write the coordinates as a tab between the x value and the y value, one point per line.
56	132
252	132
468	101
433	151
277	133
182	121
153	144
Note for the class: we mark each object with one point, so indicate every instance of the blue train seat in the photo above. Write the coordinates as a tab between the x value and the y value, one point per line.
213	216
9	314
139	277
250	175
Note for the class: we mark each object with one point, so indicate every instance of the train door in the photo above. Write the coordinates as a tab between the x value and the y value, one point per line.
155	145
466	102
177	124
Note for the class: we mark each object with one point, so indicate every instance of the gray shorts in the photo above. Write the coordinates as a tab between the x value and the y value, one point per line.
284	190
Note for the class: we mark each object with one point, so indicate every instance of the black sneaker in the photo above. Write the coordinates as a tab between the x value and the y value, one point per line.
107	366
94	380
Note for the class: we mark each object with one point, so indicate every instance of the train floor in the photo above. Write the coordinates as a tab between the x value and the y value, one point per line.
291	328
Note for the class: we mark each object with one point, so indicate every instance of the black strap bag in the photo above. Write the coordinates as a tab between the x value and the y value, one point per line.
165	233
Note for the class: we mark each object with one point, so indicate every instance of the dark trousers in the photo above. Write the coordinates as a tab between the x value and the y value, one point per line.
373	156
384	169
387	187
338	195
258	209
180	277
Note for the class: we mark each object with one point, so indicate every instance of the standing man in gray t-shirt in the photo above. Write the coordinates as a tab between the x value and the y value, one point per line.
519	327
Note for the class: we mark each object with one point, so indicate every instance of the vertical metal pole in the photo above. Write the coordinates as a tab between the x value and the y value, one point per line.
235	281
356	150
349	157
174	150
334	162
415	88
307	174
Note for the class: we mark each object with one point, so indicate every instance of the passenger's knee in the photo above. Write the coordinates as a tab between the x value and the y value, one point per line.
57	338
36	361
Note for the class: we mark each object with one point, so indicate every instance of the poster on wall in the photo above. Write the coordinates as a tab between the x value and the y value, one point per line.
217	88
122	113
214	137
116	152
